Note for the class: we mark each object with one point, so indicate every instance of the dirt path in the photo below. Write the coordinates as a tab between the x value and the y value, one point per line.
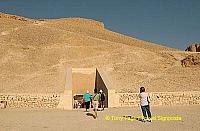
77	120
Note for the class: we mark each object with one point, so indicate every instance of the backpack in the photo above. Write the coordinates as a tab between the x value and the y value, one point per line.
102	97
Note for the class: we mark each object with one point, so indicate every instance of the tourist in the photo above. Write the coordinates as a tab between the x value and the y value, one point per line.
144	102
95	102
87	99
102	98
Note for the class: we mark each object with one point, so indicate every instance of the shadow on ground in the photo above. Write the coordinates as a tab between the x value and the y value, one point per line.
90	114
133	118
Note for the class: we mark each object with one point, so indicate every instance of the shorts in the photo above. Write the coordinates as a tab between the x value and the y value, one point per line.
96	104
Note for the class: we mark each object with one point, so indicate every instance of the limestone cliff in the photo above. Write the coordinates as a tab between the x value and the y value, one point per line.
193	48
34	55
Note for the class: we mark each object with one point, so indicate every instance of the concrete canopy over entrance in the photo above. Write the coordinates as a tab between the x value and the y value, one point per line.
79	80
83	79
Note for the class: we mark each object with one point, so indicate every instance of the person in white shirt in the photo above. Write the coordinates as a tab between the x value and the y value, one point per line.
144	102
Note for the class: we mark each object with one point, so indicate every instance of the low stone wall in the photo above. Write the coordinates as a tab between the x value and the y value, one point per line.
160	98
29	100
115	99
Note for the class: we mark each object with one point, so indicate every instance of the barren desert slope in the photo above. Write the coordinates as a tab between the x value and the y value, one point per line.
35	53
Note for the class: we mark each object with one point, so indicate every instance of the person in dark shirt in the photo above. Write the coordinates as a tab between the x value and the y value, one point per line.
102	99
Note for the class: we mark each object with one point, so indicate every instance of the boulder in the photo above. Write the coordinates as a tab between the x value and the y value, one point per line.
193	48
191	60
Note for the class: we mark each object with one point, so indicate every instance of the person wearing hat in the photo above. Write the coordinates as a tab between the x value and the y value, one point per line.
87	98
102	98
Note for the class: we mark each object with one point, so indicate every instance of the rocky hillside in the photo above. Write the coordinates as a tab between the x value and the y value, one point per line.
34	55
191	61
193	48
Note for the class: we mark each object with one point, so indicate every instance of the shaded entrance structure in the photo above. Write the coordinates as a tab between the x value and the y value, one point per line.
100	85
78	81
83	79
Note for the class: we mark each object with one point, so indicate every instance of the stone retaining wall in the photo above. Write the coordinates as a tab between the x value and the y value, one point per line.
116	99
29	100
160	98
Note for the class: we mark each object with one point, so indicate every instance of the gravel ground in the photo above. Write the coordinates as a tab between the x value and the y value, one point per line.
109	119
